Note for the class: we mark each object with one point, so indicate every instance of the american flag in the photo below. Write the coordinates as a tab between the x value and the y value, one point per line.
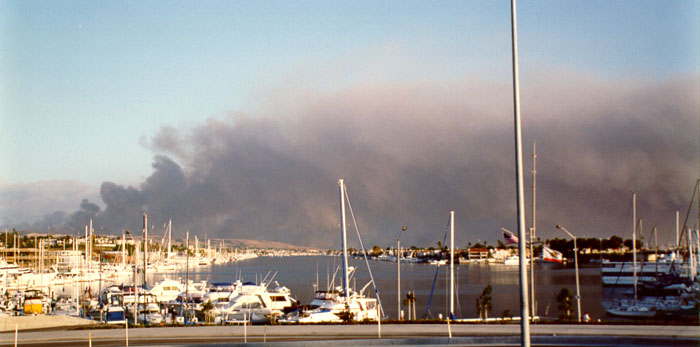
509	237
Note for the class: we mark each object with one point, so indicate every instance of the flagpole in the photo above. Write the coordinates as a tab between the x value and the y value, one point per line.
524	309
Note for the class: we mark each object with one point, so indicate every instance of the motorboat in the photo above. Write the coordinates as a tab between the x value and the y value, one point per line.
257	304
114	314
167	290
146	313
35	302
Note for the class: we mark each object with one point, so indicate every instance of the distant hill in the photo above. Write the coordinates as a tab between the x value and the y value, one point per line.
266	244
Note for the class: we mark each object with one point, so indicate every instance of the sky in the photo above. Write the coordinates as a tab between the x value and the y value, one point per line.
236	118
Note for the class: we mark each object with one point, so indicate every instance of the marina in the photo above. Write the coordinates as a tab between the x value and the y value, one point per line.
293	272
168	173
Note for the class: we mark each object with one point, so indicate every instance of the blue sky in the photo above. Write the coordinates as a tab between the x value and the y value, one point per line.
87	87
83	82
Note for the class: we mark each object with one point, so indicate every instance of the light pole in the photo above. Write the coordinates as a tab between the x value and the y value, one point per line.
398	270
578	291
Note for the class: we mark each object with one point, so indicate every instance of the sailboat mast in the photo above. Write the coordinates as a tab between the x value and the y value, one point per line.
86	246
452	264
656	252
533	230
634	244
145	248
124	250
187	272
691	260
170	236
343	230
678	234
90	245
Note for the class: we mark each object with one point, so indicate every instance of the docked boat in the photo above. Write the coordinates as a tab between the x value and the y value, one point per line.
628	308
167	290
342	304
618	273
330	307
220	294
114	314
514	260
257	304
657	279
147	313
35	302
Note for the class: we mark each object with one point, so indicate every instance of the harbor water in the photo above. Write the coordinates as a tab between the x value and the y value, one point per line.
299	273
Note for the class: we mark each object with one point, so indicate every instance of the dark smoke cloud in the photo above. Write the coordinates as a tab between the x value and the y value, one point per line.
410	153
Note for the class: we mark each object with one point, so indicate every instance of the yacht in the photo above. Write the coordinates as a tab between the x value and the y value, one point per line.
341	304
167	290
257	304
514	260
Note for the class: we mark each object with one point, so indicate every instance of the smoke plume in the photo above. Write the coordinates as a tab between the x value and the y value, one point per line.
410	153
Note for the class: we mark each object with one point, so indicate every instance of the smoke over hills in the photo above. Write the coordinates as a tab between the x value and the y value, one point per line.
411	153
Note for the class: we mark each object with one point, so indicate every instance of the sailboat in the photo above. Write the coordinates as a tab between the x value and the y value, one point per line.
632	307
342	303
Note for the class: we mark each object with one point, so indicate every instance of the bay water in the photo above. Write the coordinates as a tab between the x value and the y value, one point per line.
299	273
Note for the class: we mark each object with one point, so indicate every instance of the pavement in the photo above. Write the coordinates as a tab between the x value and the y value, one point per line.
352	335
9	323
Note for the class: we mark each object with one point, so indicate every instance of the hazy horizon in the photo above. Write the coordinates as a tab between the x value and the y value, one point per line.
236	119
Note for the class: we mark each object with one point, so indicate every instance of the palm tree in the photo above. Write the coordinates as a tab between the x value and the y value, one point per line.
565	303
411	302
483	302
206	309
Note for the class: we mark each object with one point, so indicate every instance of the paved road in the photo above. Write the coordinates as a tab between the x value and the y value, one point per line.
405	334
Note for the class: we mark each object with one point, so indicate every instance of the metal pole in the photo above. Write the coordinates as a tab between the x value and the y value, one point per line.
145	248
398	271
126	329
187	273
634	244
346	284
379	322
398	276
533	230
90	245
578	289
170	235
678	234
524	314
452	265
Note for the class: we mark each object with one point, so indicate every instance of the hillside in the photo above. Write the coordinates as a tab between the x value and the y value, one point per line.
266	244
